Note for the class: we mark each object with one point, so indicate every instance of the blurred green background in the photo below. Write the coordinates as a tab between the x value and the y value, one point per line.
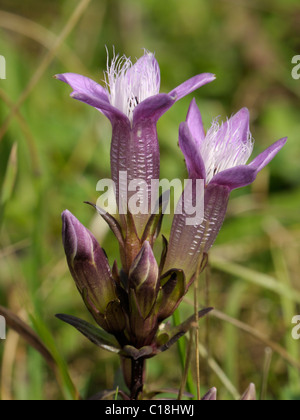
53	150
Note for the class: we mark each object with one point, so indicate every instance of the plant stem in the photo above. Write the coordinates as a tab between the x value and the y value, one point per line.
137	378
196	307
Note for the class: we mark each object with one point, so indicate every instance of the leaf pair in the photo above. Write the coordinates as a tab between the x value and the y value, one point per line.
107	342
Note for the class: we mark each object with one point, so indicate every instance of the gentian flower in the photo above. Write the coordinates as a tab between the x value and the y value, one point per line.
220	158
131	101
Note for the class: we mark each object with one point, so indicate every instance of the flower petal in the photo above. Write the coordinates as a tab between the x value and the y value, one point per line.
265	157
145	66
241	122
108	110
153	108
192	84
238	123
190	149
83	84
91	93
194	121
237	177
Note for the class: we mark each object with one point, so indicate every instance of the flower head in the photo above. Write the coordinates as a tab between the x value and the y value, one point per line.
132	102
226	146
220	156
131	90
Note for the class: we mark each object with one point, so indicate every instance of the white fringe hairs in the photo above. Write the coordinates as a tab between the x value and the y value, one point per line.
221	151
129	84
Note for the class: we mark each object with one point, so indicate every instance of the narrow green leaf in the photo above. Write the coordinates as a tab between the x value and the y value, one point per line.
96	335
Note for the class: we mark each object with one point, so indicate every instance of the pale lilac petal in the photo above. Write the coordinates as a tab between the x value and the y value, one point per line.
82	84
91	93
191	85
142	67
152	108
108	110
237	177
190	149
194	121
265	157
240	123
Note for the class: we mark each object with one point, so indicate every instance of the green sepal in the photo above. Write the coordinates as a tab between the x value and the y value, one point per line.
173	289
154	224
179	331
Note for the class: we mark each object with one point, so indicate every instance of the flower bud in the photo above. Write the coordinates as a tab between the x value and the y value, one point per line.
89	266
143	279
211	395
250	394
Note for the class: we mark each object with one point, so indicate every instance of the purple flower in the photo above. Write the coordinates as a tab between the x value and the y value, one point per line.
220	158
133	104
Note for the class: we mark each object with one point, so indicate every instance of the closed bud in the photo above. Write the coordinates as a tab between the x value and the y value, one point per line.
250	394
88	265
143	279
211	395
